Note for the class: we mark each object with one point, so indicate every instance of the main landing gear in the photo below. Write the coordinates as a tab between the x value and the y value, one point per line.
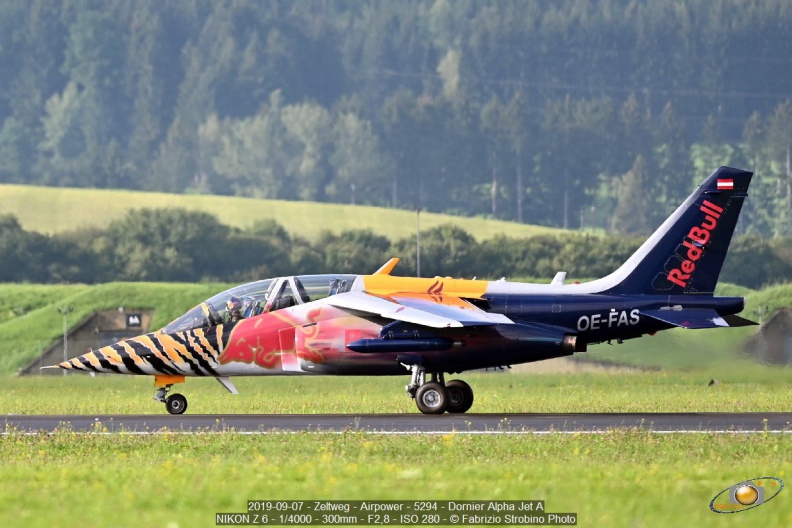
437	396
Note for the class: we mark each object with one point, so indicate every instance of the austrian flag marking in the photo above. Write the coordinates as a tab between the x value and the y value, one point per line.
725	185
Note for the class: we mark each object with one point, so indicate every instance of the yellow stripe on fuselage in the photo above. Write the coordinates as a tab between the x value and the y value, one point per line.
169	357
132	354
93	360
388	285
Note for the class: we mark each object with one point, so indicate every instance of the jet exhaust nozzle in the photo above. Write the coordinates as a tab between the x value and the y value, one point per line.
571	344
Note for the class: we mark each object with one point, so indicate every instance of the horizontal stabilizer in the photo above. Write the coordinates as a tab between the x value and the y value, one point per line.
696	318
736	320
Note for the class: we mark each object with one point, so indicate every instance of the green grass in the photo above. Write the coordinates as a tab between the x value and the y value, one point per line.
19	299
44	209
768	300
756	389
618	479
712	350
727	289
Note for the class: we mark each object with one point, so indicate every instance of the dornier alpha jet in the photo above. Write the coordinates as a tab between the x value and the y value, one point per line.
384	325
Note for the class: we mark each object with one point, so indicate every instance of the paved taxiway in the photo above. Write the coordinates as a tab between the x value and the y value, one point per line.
407	423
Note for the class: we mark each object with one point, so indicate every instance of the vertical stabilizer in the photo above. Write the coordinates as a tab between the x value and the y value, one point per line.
686	253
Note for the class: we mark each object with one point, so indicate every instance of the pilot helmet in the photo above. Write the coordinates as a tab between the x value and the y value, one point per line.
233	304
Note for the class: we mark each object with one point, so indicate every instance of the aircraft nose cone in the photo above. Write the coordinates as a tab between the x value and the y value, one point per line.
144	354
103	360
87	362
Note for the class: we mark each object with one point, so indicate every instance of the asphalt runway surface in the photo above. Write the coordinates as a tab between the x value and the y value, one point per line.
407	423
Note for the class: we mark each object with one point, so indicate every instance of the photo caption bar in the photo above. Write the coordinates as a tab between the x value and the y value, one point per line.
395	512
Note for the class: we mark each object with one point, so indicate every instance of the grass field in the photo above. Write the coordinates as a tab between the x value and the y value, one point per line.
748	388
622	478
44	209
618	479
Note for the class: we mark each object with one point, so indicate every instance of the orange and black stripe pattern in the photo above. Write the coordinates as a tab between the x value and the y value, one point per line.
191	353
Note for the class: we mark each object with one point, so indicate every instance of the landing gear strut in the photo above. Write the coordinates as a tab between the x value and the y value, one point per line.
175	403
437	396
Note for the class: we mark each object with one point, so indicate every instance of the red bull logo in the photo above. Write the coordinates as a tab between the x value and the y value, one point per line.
436	288
693	245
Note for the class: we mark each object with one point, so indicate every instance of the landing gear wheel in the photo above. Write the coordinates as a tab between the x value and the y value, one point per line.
460	396
432	398
176	404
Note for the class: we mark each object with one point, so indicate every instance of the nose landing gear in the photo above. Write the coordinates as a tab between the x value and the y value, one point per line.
175	403
437	396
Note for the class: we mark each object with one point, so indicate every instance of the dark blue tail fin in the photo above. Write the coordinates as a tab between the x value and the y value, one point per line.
686	253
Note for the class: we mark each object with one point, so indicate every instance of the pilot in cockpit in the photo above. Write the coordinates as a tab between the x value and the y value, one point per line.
234	309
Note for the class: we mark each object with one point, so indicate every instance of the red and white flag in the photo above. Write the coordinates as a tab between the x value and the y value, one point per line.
725	185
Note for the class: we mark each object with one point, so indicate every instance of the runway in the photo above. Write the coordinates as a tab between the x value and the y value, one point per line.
407	423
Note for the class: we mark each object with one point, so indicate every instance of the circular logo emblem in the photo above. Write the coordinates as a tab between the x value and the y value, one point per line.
746	495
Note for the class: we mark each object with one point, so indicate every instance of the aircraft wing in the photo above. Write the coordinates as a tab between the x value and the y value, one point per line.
696	318
451	307
420	309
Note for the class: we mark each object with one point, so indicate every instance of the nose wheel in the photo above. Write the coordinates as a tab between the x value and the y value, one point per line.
437	396
175	403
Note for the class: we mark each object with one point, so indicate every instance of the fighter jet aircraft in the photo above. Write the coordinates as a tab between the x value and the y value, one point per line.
385	325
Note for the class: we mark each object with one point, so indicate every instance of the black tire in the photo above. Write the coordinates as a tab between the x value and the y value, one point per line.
460	396
431	398
176	404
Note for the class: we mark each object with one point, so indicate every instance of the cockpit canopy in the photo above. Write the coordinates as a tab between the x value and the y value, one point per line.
249	300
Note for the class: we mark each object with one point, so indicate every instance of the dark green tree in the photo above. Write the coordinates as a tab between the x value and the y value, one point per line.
23	255
170	245
354	251
446	250
631	215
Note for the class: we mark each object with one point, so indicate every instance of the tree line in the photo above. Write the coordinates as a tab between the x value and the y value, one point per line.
573	113
189	246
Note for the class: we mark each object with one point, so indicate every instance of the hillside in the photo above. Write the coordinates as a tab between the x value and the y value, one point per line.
54	209
29	322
